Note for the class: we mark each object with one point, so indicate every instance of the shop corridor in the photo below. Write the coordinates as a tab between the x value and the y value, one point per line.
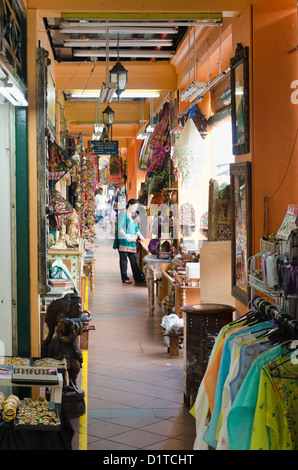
134	391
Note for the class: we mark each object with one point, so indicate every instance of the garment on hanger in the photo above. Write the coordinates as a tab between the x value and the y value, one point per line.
275	425
247	398
225	364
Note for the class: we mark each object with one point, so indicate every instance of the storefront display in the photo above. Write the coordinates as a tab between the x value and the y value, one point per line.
59	162
250	399
190	154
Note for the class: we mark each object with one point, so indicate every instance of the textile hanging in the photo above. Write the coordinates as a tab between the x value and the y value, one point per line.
158	135
114	165
144	154
190	154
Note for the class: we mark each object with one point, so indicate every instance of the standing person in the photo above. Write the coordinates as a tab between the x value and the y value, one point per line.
127	232
101	206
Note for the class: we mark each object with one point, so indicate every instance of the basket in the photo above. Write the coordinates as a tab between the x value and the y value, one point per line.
202	323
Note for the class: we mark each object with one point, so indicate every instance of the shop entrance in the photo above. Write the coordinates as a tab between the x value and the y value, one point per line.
7	230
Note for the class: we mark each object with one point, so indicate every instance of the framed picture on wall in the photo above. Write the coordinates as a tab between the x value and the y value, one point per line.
240	174
240	100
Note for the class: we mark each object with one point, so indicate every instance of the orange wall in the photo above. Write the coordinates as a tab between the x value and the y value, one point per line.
274	116
134	175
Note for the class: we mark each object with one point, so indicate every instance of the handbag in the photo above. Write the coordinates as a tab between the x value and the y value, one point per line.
159	179
157	158
158	135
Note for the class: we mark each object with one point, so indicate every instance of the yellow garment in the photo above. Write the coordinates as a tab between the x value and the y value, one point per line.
276	416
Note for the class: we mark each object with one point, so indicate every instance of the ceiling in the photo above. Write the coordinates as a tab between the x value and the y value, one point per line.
81	40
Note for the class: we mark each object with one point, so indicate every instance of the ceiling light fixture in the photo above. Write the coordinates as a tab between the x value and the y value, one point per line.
113	43
118	74
94	94
107	92
108	88
97	29
194	88
192	91
108	116
10	90
124	53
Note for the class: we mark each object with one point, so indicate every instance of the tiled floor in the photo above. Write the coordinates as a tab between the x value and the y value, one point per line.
134	392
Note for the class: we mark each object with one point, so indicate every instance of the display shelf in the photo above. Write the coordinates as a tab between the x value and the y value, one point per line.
53	413
257	284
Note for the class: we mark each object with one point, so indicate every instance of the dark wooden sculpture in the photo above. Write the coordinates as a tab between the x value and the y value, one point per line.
65	318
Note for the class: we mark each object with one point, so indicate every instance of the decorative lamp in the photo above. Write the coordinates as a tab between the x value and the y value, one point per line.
108	116
118	74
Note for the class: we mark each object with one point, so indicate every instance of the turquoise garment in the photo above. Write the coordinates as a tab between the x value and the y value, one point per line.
224	369
129	227
241	416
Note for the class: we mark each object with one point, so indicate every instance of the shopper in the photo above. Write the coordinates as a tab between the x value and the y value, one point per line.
127	232
101	206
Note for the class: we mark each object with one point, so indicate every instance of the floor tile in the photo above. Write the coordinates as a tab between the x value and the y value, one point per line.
134	394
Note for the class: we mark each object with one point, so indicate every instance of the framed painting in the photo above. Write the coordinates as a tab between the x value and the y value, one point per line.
240	174
239	67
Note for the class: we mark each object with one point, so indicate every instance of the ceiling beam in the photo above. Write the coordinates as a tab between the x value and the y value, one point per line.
110	9
146	76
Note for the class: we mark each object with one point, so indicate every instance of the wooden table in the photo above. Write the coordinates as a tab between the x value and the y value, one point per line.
153	276
174	286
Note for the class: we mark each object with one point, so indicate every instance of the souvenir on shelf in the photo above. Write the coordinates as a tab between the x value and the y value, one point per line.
61	209
59	162
85	204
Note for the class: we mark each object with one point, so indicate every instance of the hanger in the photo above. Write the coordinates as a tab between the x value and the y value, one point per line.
276	370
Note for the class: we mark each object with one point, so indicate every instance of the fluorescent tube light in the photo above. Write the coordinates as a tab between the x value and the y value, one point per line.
140	94
124	53
94	94
113	43
138	29
107	92
192	91
12	93
4	92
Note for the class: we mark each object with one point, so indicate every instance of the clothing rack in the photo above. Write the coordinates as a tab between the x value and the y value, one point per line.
271	312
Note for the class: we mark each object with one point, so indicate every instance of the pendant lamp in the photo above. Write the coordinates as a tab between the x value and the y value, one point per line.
190	154
108	116
118	74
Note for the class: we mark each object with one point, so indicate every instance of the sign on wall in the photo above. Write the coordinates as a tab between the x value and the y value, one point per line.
105	148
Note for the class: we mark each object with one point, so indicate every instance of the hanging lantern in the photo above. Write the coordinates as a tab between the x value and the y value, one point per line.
118	74
108	116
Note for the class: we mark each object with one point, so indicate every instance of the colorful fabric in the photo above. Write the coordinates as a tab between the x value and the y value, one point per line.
241	416
223	373
275	421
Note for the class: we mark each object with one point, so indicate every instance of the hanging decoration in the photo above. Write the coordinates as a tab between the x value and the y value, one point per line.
144	154
59	162
189	154
187	219
85	203
114	170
